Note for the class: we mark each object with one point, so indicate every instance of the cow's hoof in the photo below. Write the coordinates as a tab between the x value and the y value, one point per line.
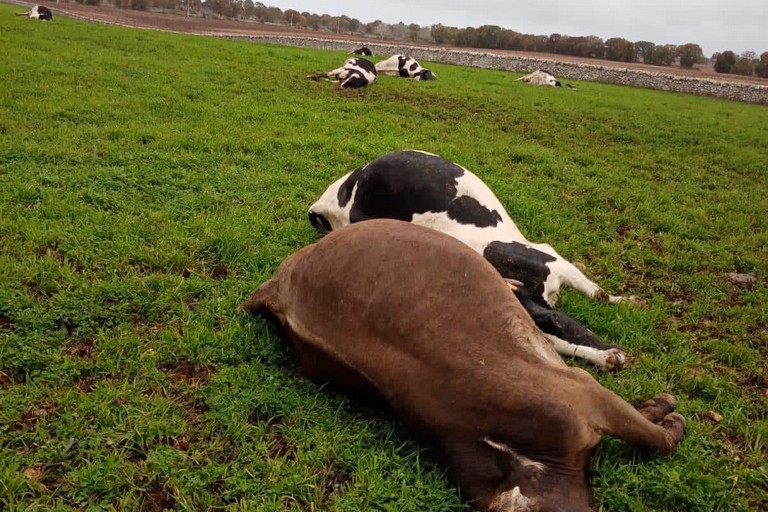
616	359
637	301
665	400
657	408
675	424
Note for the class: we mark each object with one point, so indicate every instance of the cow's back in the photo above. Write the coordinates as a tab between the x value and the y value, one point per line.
418	187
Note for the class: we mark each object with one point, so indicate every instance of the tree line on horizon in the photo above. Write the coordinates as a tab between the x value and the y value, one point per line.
487	36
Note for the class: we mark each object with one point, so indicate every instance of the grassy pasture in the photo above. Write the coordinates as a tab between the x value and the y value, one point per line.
149	182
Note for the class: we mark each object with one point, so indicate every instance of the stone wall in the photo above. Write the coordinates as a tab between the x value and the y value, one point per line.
733	90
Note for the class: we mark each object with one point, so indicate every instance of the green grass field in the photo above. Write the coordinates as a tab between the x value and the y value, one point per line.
149	182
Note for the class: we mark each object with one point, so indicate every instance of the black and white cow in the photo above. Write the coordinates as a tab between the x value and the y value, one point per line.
363	50
353	74
38	12
404	66
425	189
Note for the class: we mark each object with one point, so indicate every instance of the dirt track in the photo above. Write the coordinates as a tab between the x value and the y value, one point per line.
225	27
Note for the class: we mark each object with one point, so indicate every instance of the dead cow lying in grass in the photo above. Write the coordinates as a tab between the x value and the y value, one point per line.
394	312
353	74
404	66
363	50
426	189
38	12
541	77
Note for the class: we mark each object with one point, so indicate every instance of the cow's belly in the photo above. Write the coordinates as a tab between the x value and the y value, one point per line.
475	237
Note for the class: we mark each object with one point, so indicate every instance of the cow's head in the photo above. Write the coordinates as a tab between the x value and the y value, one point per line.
424	74
363	50
319	222
526	485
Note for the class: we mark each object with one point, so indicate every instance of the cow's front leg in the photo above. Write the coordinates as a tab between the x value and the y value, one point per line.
658	407
653	426
608	359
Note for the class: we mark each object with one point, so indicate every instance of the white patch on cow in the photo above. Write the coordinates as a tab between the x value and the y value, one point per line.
328	204
476	237
606	359
512	501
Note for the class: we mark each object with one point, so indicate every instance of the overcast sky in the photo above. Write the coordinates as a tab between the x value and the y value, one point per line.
715	25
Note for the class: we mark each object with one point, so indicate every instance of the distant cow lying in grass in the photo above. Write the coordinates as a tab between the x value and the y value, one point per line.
540	77
353	74
363	50
38	12
426	189
404	66
399	314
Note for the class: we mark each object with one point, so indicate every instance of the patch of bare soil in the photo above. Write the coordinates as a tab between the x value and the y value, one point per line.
179	22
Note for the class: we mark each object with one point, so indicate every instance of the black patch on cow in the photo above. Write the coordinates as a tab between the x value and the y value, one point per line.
44	13
345	190
468	210
557	83
414	66
363	50
518	261
557	323
401	60
366	65
425	74
356	80
399	185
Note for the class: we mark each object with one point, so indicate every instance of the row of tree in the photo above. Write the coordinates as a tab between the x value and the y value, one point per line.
746	64
486	36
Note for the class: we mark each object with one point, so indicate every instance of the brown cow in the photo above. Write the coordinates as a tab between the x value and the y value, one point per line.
414	318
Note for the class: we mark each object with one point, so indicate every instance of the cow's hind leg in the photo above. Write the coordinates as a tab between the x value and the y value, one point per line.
568	336
567	273
653	426
658	407
609	358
